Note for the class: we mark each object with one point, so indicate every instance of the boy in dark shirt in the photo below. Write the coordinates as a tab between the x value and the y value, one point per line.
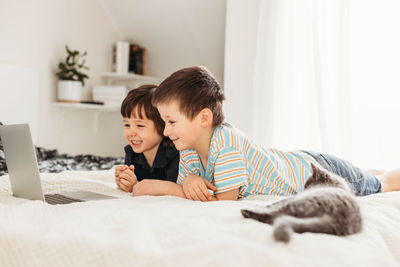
148	155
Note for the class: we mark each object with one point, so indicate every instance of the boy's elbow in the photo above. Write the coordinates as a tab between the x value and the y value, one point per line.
229	195
224	198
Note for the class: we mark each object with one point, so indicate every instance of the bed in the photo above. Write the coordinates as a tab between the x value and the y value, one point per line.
170	231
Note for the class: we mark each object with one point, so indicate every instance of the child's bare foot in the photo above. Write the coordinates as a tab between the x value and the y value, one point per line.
390	180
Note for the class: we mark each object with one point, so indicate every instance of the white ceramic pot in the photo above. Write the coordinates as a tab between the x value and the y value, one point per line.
69	91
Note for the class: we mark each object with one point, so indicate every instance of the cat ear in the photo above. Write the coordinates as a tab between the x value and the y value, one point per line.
314	168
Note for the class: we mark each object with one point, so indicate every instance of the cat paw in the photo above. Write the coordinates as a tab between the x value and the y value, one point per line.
261	217
282	233
248	213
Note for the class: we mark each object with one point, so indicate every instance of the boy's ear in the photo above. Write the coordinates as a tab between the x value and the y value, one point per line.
206	117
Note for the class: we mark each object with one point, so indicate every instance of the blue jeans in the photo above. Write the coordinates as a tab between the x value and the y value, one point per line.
363	183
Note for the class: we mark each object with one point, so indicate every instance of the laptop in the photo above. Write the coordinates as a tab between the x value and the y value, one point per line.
24	172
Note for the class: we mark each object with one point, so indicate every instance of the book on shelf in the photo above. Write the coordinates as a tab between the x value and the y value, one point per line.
129	57
137	59
120	57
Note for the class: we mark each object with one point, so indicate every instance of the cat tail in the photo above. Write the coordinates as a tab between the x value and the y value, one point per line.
285	225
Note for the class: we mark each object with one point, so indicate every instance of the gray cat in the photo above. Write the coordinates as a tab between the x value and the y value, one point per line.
327	205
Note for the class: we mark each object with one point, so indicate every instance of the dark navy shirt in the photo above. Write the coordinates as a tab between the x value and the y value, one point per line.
165	164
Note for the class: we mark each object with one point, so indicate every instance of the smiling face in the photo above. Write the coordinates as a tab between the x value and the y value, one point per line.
183	132
141	135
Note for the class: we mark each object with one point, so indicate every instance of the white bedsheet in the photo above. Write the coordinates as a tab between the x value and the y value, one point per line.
169	231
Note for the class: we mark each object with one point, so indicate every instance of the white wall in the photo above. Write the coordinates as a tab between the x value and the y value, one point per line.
176	33
33	35
14	82
240	51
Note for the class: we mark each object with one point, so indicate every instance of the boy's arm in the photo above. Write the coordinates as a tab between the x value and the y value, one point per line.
205	185
167	188
228	195
157	188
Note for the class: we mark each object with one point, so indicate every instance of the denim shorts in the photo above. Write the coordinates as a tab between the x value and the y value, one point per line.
363	183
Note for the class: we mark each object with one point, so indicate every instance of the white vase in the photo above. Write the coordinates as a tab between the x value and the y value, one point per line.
69	91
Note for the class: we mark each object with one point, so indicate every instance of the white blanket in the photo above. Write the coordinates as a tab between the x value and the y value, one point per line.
170	231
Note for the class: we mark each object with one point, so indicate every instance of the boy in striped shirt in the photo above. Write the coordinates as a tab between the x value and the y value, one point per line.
216	156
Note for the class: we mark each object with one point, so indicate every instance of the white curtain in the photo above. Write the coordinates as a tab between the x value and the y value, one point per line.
300	93
375	82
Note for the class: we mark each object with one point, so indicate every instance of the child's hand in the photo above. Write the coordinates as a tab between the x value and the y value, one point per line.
120	168
196	188
126	178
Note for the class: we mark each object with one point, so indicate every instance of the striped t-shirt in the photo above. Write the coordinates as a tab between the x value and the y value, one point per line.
234	161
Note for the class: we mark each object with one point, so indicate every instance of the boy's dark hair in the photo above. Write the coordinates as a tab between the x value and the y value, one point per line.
194	88
138	104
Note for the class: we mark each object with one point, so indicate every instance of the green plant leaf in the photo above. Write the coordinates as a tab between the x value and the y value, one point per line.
71	68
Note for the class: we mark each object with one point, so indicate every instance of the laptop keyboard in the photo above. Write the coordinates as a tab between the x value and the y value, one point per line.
55	199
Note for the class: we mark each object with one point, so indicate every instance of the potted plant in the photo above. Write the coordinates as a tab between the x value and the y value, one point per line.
71	78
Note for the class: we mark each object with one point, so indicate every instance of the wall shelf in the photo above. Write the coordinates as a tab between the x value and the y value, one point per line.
130	80
103	108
